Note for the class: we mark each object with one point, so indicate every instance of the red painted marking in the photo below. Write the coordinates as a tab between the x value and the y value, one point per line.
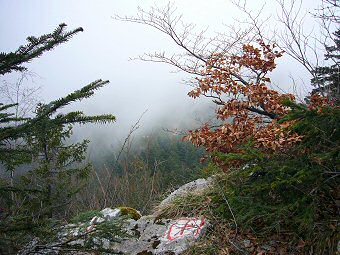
188	227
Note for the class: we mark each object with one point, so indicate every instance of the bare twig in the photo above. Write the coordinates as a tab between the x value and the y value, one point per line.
133	128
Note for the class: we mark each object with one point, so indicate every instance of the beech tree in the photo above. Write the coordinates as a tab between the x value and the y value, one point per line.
233	69
251	106
233	72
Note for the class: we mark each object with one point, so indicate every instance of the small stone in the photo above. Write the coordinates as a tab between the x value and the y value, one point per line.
266	247
96	220
247	243
110	214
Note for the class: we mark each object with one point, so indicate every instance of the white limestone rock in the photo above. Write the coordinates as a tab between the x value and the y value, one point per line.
110	214
195	187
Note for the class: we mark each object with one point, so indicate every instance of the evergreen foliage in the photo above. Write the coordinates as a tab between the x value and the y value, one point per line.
85	216
327	78
295	192
8	155
158	152
36	46
14	61
39	200
291	197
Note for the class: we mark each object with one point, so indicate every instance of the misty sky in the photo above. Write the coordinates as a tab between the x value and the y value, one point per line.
103	50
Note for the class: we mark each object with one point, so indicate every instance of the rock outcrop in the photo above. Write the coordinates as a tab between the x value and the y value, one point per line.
165	236
124	231
196	187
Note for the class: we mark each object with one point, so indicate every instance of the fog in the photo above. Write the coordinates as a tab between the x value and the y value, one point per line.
103	51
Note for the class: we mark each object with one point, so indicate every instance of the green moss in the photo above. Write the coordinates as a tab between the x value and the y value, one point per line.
131	212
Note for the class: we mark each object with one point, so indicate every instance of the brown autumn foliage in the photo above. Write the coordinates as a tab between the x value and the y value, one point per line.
239	85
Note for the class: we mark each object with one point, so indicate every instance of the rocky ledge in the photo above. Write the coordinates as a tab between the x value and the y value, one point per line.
125	231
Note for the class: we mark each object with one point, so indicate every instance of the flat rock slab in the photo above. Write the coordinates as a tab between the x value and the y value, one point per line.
161	237
180	234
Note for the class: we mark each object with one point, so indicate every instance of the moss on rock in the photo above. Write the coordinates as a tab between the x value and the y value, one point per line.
133	213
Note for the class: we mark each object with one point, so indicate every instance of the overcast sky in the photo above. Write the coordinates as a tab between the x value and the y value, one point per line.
103	50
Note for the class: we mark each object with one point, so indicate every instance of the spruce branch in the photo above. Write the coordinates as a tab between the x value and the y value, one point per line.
78	95
36	46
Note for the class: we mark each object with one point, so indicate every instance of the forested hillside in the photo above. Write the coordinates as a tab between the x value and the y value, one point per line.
141	172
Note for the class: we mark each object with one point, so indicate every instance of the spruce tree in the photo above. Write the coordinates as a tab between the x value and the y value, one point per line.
58	167
55	168
14	61
327	78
